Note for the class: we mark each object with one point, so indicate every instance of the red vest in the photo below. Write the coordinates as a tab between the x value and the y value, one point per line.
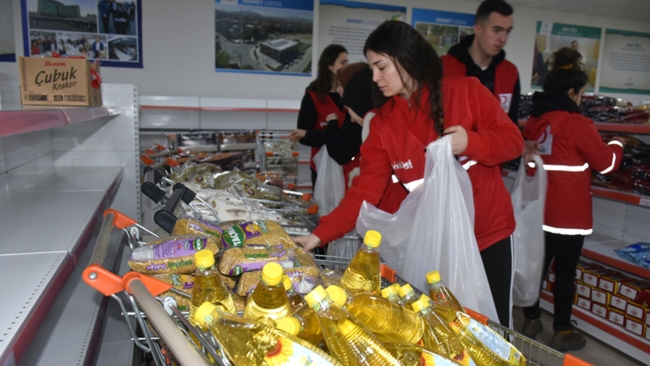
323	109
505	77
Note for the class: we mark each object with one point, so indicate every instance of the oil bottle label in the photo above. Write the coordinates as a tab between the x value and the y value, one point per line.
494	342
178	248
288	352
432	359
236	236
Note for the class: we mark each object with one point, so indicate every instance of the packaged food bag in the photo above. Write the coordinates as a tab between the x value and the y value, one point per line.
174	254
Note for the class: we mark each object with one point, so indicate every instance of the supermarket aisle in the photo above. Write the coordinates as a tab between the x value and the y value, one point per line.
596	352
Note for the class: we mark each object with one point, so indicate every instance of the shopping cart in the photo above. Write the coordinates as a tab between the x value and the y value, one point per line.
536	353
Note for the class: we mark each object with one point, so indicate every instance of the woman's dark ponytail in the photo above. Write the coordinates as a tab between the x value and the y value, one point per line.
567	72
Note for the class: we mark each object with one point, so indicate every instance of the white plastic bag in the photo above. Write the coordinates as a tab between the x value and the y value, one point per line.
330	184
434	229
528	199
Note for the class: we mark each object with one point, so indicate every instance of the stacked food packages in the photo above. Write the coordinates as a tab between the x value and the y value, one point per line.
278	156
633	175
287	317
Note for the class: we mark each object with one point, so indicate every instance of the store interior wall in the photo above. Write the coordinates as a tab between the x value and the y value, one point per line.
178	49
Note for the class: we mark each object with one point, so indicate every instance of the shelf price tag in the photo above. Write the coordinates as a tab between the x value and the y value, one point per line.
644	202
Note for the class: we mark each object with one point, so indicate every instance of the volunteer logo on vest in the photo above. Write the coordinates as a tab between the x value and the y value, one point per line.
505	100
323	123
546	142
403	165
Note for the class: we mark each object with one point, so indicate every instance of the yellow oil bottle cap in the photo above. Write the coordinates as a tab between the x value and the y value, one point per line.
290	325
405	290
395	287
422	303
426	297
203	313
372	239
272	274
433	276
316	296
286	282
337	294
346	326
388	292
204	258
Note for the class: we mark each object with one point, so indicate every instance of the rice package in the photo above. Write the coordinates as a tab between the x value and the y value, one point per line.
236	261
255	232
189	225
174	254
183	283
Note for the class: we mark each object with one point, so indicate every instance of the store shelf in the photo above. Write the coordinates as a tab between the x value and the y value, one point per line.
219	104
17	119
601	192
600	248
610	333
641	129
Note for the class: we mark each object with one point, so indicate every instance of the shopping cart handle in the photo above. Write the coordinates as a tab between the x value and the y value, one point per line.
120	220
109	283
387	272
477	316
571	360
188	194
152	191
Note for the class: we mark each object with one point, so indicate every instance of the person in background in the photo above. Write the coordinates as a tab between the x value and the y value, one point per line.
570	147
539	68
104	9
482	55
98	46
576	47
321	100
35	50
419	106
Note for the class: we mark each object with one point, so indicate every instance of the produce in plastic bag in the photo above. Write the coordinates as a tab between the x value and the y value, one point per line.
528	201
174	254
434	229
183	172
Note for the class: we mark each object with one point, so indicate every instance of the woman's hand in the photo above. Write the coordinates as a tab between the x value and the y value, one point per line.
620	139
355	117
531	148
307	242
297	135
458	139
332	117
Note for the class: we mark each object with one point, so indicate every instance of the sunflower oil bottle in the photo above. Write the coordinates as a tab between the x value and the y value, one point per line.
346	337
444	302
269	299
438	337
496	350
309	325
295	300
390	293
410	354
363	274
380	315
208	285
252	342
408	295
290	324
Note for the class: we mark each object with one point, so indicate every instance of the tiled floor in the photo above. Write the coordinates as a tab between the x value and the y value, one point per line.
596	352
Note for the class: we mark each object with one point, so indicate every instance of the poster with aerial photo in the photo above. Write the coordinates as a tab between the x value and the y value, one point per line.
626	62
84	28
552	36
442	29
263	36
349	23
7	45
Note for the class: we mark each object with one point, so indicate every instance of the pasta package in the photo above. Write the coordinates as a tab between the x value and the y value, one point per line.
236	261
183	283
174	254
186	225
248	282
255	233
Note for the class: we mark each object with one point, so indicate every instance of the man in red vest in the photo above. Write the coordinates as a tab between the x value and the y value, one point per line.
481	55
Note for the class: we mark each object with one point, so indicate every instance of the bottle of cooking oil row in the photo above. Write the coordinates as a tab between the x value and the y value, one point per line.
208	285
269	299
363	274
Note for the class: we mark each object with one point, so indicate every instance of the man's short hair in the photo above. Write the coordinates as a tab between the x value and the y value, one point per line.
487	7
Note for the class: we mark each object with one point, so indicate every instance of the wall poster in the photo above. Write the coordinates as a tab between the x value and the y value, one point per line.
7	44
264	36
550	37
349	23
442	29
106	30
626	62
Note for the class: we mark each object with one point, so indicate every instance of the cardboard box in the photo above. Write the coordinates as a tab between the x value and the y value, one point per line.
637	291
583	267
617	317
600	310
584	290
600	296
59	81
592	276
636	311
619	302
584	303
635	326
611	283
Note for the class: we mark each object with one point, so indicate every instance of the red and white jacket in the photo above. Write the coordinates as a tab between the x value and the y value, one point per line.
396	146
571	148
